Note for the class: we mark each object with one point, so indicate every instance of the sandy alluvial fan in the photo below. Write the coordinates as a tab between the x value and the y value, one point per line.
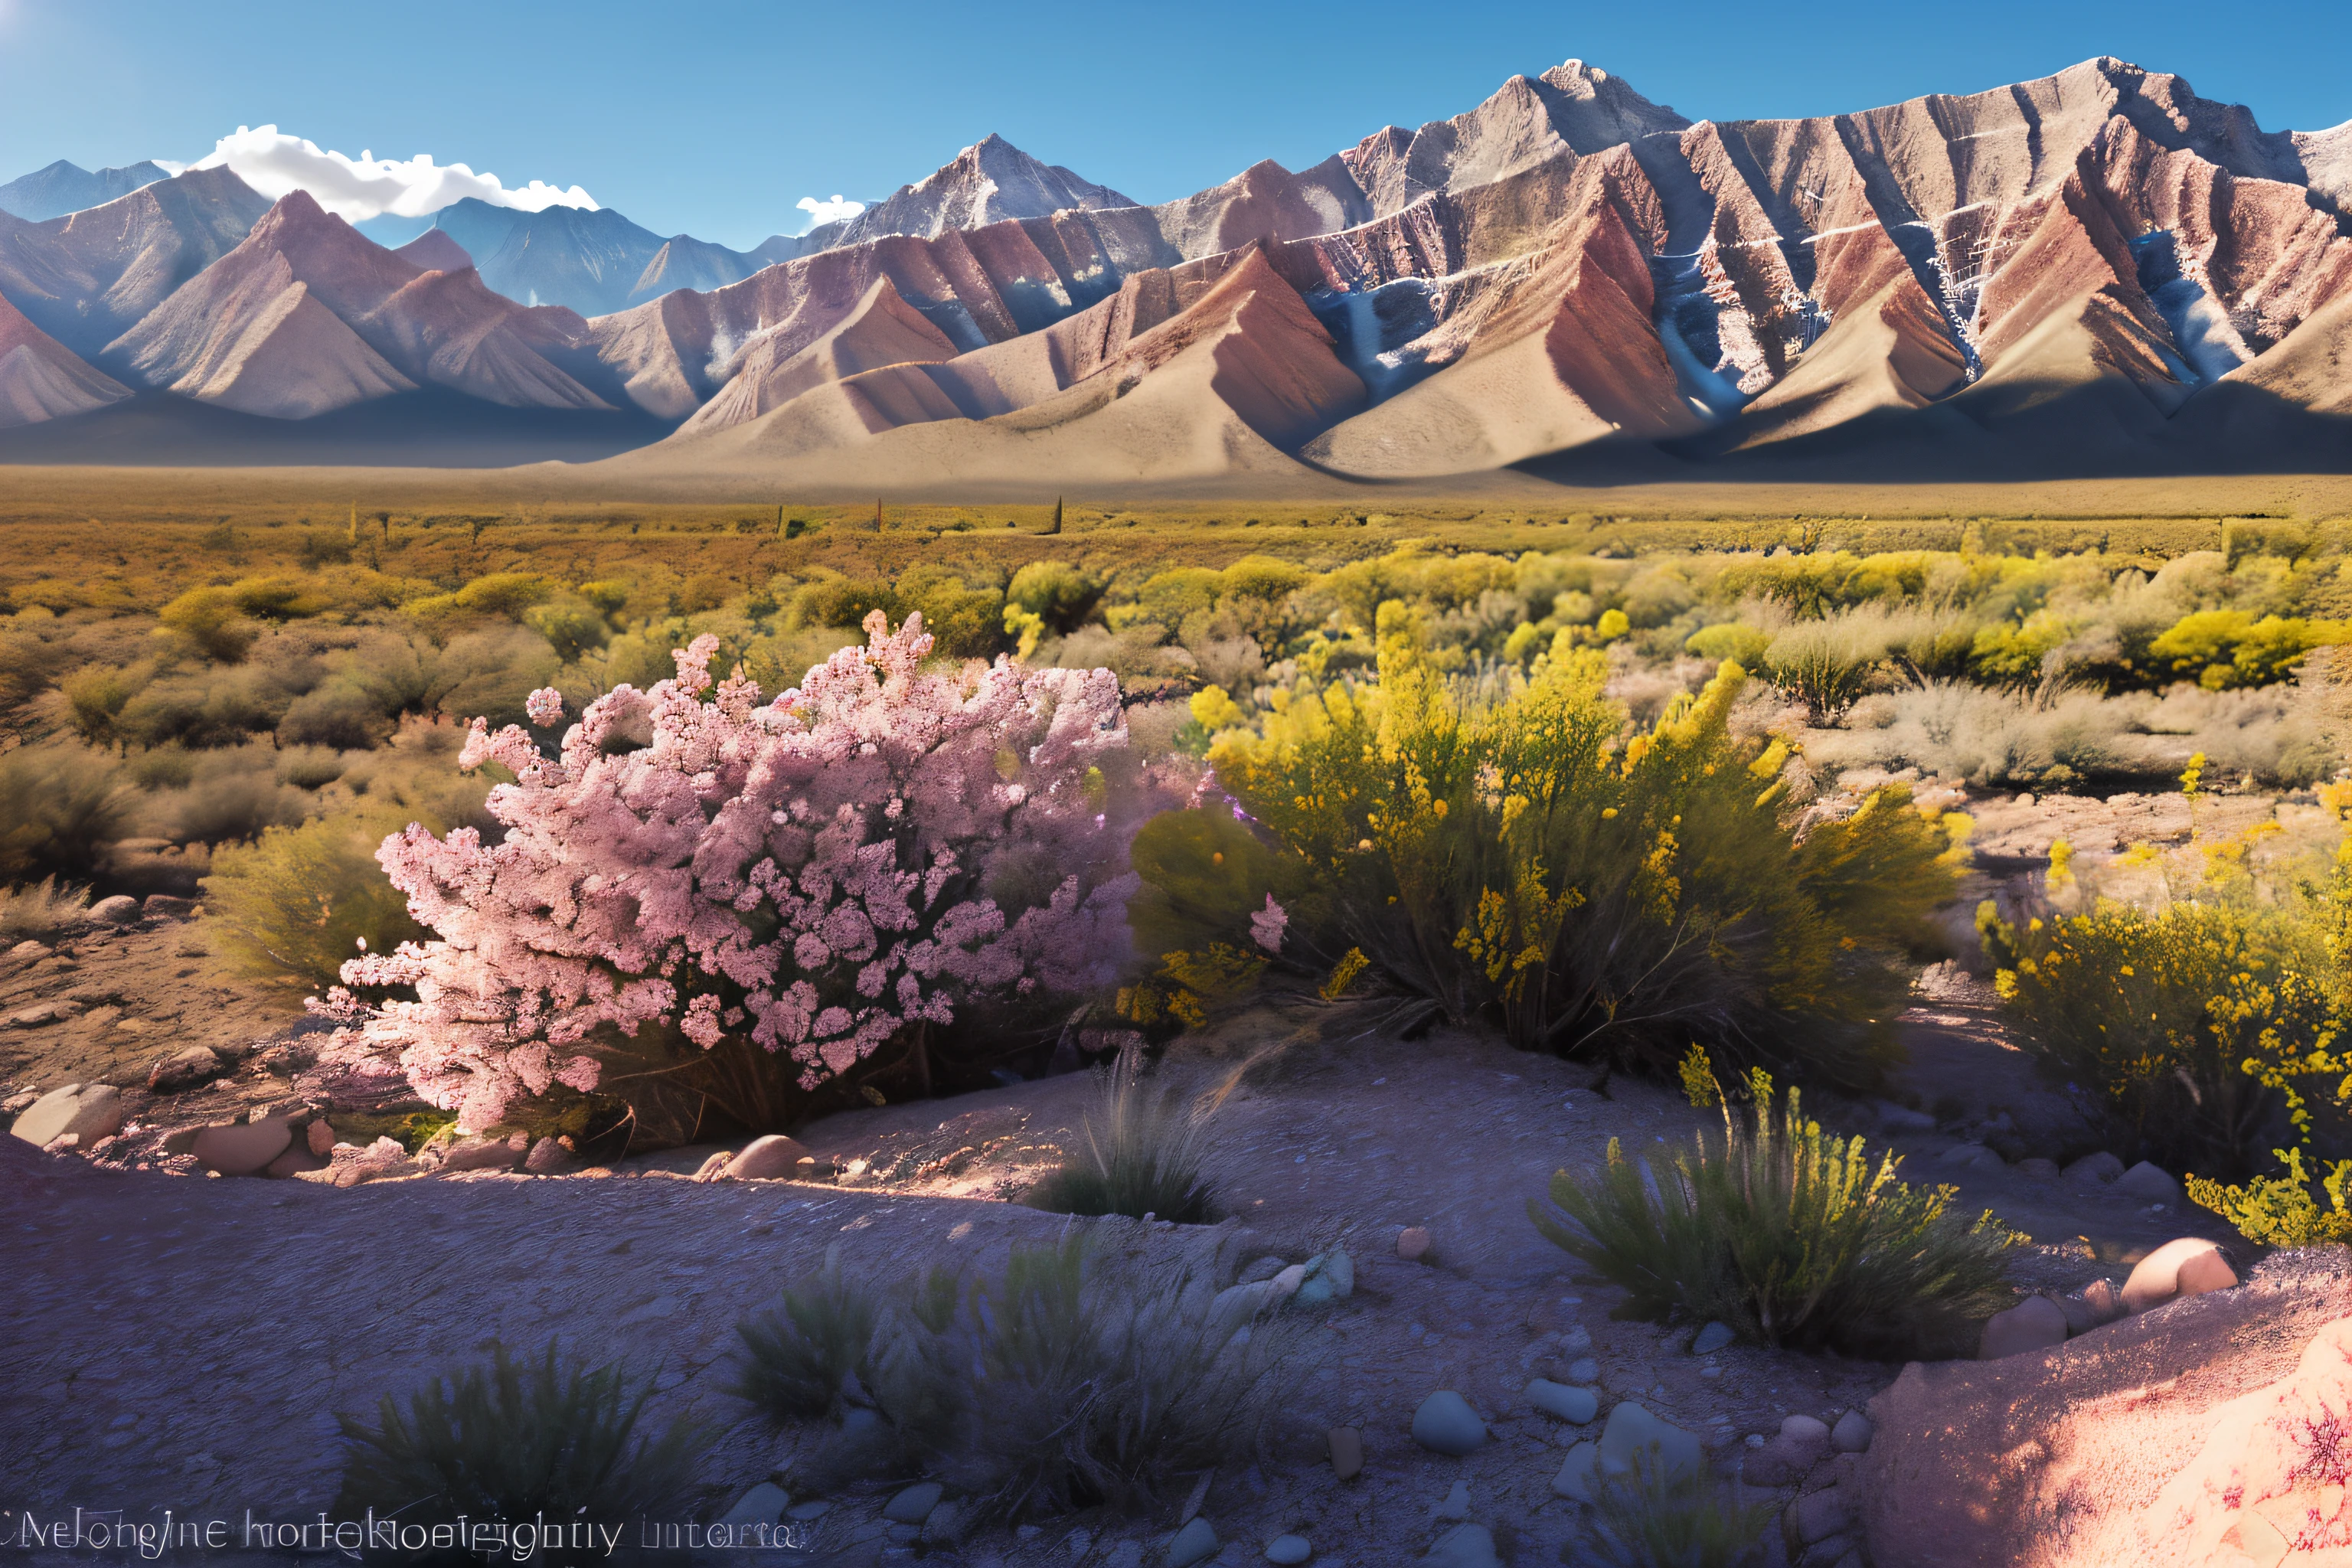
2098	270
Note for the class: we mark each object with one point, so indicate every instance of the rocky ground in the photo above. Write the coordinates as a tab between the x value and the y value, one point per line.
183	1339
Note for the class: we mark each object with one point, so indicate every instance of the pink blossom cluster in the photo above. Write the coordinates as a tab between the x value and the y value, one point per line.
865	853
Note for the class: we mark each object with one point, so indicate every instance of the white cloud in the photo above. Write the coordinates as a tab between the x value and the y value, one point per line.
356	189
822	212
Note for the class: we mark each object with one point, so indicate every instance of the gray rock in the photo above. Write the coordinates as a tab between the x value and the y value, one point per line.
1464	1546
1346	1445
1802	1443
1577	1472
1584	1371
1852	1434
1631	1429
117	911
2095	1169
1578	1405
1899	1119
88	1111
548	1157
2035	1323
769	1159
1196	1543
2150	1183
1289	1548
1264	1269
1329	1277
763	1504
1817	1516
481	1154
1122	1554
1285	1284
1446	1425
186	1070
1969	1156
1456	1506
1712	1338
946	1524
912	1505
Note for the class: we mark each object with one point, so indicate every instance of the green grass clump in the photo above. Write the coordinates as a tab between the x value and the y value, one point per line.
515	1441
800	1355
296	903
1787	1235
1660	1516
1070	1377
1145	1152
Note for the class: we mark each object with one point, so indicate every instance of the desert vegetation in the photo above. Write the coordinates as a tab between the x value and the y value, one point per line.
520	1444
1782	1232
1452	765
1069	1377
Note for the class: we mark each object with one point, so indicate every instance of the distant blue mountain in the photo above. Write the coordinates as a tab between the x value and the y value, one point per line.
64	187
592	260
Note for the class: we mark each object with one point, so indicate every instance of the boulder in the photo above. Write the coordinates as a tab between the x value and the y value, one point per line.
1264	1269
484	1153
548	1157
1712	1338
1196	1543
2095	1169
319	1137
167	907
2106	1302
1969	1156
1574	1406
297	1161
1413	1243
1971	1461
1288	1550
1632	1430
2150	1183
2035	1323
243	1148
773	1158
2155	1278
1446	1425
1346	1448
2037	1169
1802	1443
1817	1516
1852	1434
912	1505
1577	1472
118	911
87	1111
28	950
1464	1546
186	1070
1329	1277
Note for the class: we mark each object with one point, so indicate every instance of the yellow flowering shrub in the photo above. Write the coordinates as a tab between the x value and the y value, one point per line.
1516	851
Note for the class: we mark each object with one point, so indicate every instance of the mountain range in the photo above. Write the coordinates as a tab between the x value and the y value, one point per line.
2093	271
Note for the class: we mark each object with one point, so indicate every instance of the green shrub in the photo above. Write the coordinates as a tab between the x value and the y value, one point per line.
801	1356
212	622
1789	1236
58	805
1074	1376
2198	1024
1144	1154
297	902
2280	1211
1060	595
1519	856
514	1441
1662	1516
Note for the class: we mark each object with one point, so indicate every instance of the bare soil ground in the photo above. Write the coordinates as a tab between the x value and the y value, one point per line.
183	1343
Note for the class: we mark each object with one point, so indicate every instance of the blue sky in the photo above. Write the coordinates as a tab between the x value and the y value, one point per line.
716	118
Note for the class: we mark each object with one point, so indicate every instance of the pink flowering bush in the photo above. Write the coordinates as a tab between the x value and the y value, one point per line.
747	898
